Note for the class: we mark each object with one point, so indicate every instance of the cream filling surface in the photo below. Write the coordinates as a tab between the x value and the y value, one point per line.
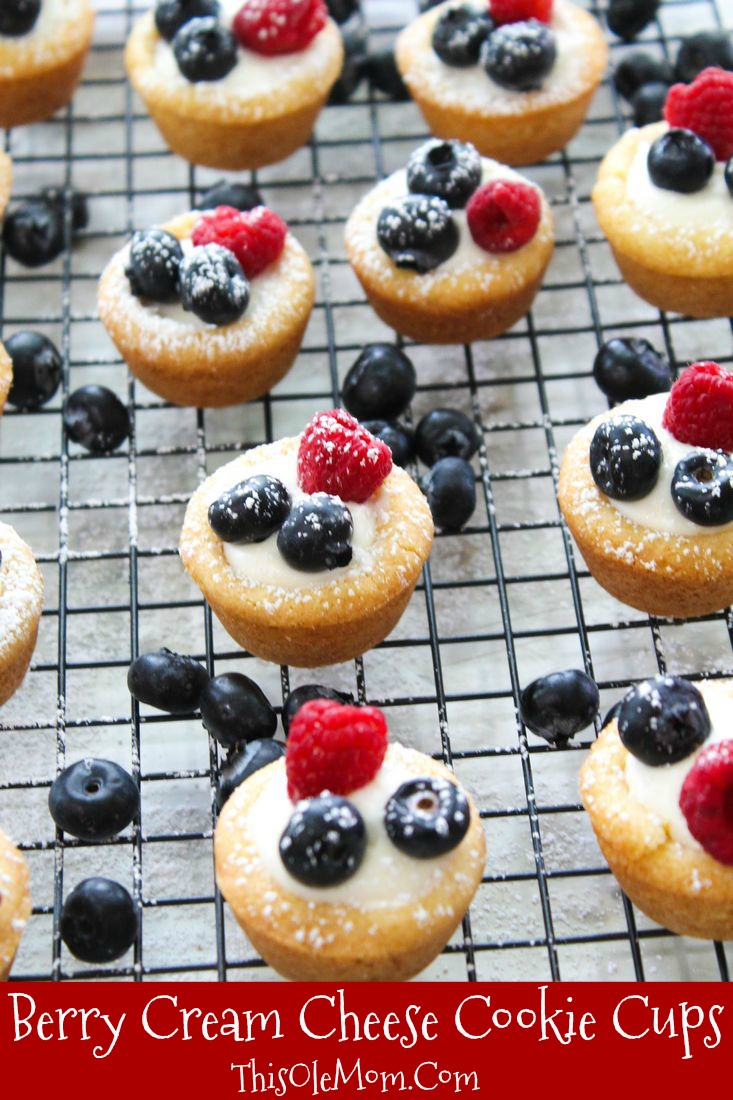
53	15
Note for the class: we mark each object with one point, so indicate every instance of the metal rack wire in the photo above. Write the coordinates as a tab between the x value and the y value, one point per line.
500	603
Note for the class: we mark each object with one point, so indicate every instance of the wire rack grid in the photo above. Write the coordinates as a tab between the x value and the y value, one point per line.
500	603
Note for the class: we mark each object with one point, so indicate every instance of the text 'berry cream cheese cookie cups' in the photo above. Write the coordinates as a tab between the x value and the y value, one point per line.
43	46
647	492
209	309
308	549
658	786
15	902
235	84
452	249
514	77
664	199
21	603
349	859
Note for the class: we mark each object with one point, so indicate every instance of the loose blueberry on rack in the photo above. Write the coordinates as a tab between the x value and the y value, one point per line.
99	920
33	232
637	69
255	755
171	15
317	534
417	232
459	34
399	439
240	196
234	709
250	511
680	161
702	51
449	169
647	104
154	265
95	418
169	681
354	39
450	488
627	18
18	17
93	799
57	196
341	10
427	817
299	696
625	457
663	720
559	705
444	432
204	50
213	285
706	800
629	367
324	841
702	487
37	366
519	56
383	74
380	384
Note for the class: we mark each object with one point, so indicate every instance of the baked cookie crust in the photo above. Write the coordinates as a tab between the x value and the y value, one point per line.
21	603
15	902
6	376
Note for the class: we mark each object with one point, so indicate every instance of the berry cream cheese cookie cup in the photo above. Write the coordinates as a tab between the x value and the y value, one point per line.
647	492
211	308
664	199
349	860
21	603
308	549
235	85
15	902
454	248
515	77
43	45
658	786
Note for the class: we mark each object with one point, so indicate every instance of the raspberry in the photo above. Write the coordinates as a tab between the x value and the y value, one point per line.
503	215
706	800
517	11
256	237
338	456
279	26
705	107
699	408
333	747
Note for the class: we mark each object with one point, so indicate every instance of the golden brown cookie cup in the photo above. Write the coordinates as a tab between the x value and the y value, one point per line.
19	577
230	133
15	902
339	620
216	365
6	179
361	945
6	377
528	134
690	271
681	888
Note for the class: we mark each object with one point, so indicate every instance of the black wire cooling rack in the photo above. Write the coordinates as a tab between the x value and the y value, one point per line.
500	603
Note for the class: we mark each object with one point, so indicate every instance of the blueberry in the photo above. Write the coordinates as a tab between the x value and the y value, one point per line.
680	161
341	10
154	264
169	681
171	15
241	196
324	841
33	233
426	5
729	175
317	534
427	817
305	694
255	755
417	232
399	439
93	799
701	51
383	74
205	50
380	384
625	457
96	418
18	17
519	56
444	432
458	35
37	366
450	487
637	69
559	705
627	18
250	511
99	920
354	40
57	196
647	105
663	720
449	169
213	285
629	367
702	487
235	709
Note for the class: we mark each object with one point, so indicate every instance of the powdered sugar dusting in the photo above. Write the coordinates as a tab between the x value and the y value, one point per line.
21	590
